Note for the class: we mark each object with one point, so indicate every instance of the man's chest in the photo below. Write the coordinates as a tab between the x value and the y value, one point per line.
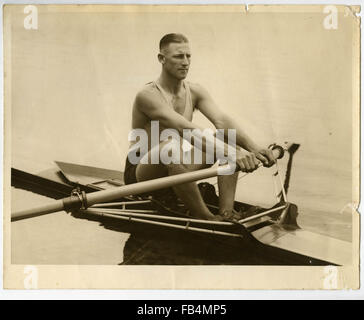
178	103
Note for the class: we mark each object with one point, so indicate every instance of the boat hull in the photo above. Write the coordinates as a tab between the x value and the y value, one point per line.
260	243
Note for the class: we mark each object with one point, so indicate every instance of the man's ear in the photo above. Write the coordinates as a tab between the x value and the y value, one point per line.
161	58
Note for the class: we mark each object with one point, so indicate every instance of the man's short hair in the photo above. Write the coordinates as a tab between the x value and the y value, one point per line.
170	38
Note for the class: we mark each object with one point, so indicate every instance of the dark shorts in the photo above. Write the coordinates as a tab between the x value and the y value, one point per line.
130	172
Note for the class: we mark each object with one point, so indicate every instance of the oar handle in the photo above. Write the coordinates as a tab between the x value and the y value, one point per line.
86	200
278	153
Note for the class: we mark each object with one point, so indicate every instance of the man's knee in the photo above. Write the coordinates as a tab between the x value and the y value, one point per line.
150	171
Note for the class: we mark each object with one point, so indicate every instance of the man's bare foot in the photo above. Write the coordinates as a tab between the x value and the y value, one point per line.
218	218
231	215
204	216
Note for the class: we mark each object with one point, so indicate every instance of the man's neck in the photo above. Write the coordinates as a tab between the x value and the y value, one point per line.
170	84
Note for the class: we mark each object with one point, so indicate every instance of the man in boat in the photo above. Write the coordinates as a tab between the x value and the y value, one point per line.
171	100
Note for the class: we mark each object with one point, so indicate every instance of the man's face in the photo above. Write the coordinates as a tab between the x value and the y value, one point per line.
176	59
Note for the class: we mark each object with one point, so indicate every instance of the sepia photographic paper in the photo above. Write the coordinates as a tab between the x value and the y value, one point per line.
109	114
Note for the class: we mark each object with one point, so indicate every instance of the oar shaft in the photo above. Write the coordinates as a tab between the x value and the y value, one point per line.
160	183
90	199
149	185
116	193
38	211
58	205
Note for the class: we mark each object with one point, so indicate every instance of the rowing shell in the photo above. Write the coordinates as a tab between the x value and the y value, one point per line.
271	234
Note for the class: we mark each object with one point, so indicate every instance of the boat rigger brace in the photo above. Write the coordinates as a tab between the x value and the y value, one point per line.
76	201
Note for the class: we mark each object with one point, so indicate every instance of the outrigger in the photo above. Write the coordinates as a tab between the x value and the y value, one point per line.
263	236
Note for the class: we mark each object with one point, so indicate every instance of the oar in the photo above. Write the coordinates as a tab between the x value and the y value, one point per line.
77	201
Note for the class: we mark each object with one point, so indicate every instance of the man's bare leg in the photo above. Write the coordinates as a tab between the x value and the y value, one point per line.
227	188
190	194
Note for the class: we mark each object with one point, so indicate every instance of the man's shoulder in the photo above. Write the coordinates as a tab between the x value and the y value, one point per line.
147	88
147	92
194	86
197	89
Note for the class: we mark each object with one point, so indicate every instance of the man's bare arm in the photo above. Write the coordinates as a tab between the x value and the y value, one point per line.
157	109
223	121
